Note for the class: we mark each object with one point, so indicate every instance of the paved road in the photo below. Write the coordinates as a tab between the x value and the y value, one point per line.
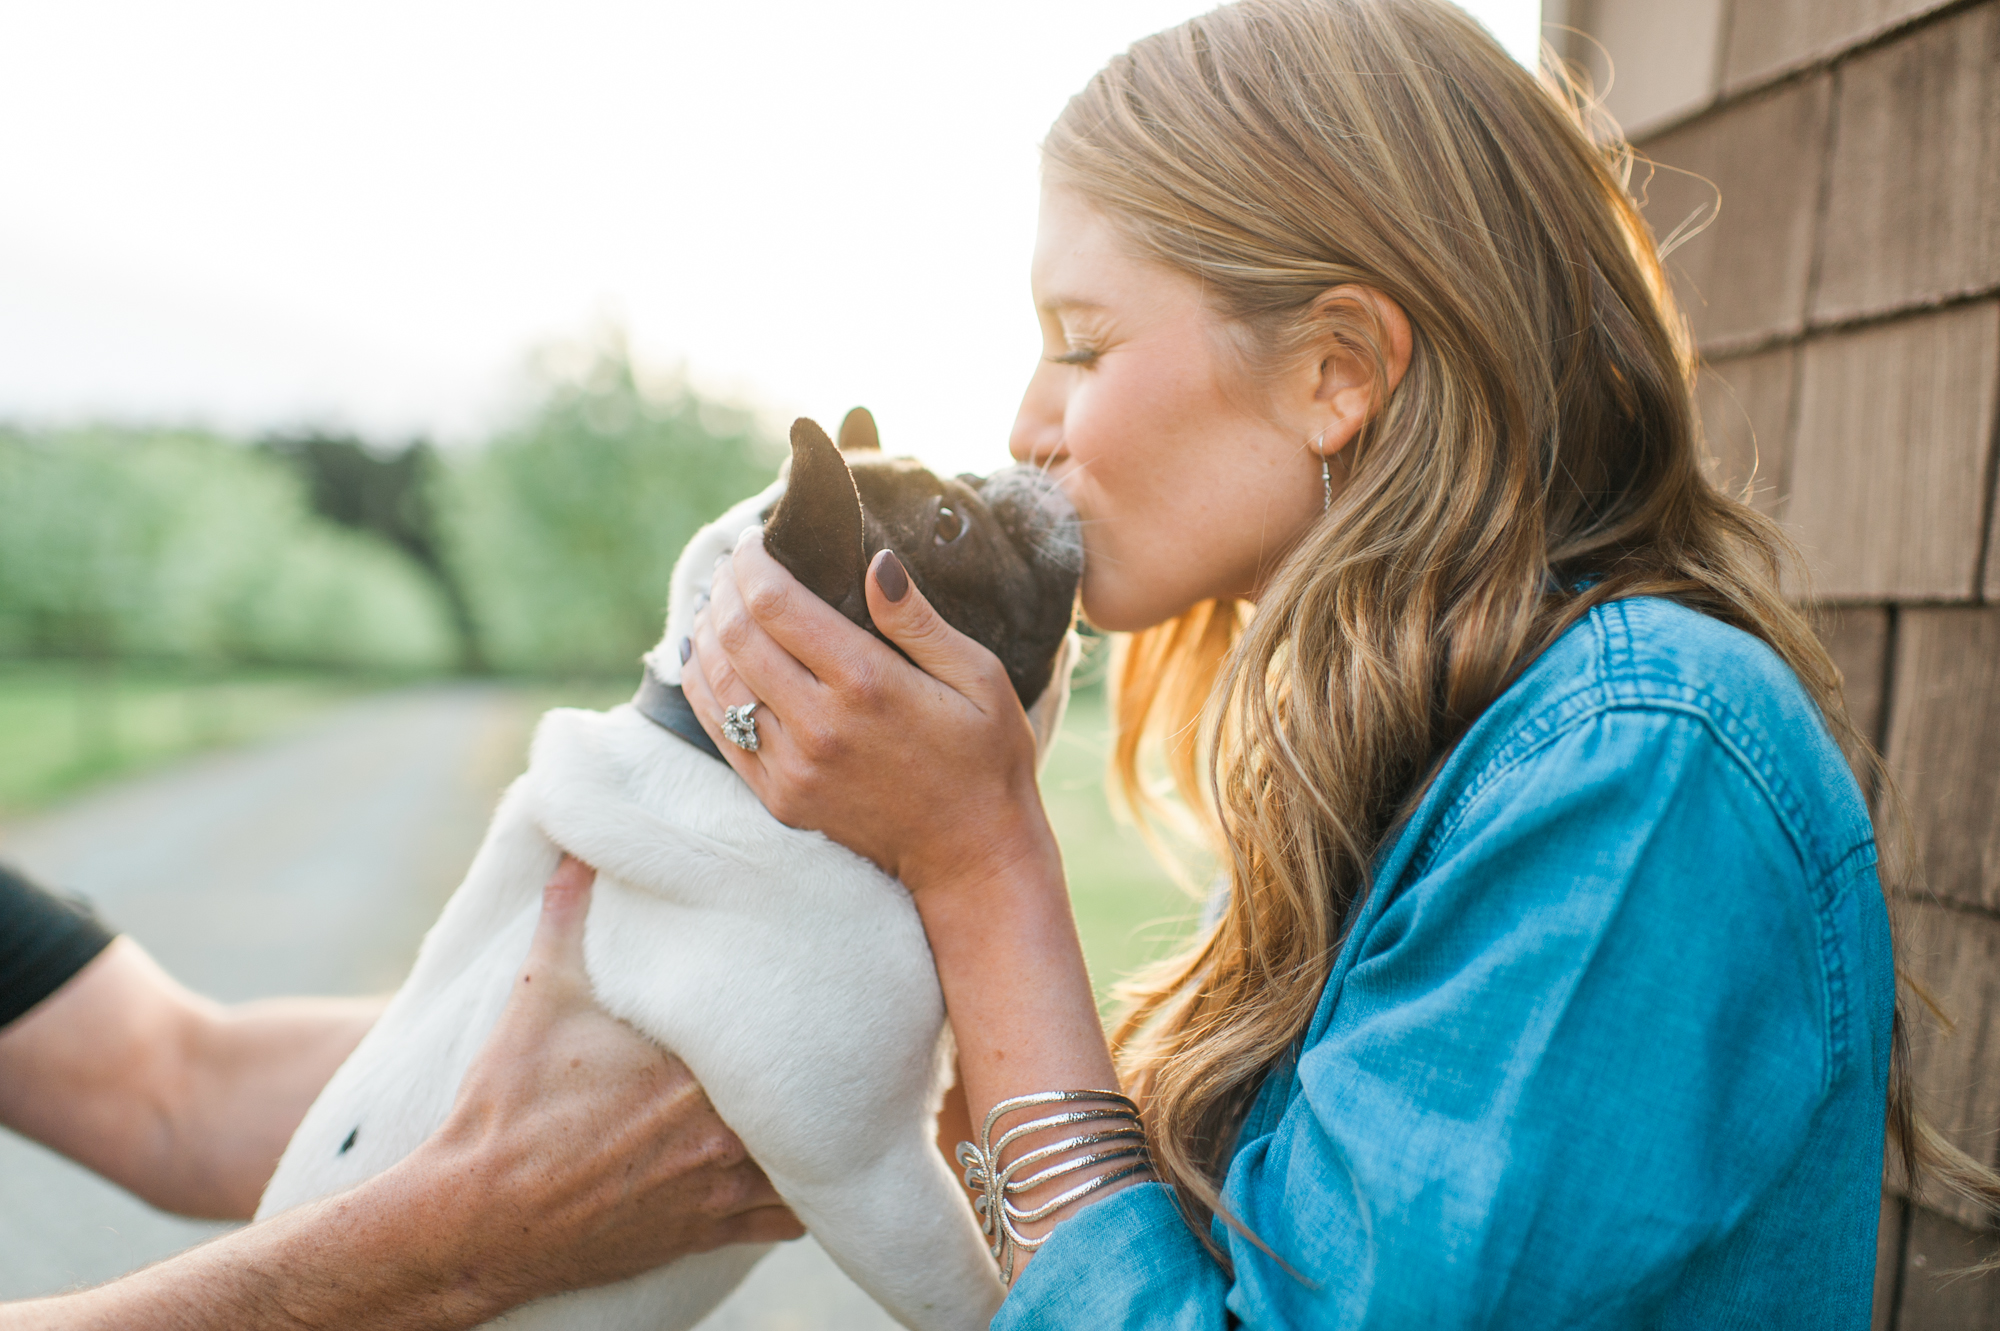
309	864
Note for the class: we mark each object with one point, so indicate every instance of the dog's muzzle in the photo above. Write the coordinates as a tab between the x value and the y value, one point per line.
1039	517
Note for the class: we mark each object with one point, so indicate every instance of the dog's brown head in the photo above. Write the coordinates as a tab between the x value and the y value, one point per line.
998	556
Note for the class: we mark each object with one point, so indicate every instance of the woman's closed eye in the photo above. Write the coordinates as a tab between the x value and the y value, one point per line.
1085	355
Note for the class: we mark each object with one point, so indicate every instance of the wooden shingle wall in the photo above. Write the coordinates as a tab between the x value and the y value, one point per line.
1847	303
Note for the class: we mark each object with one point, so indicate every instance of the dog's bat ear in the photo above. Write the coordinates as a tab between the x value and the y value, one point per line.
815	529
858	433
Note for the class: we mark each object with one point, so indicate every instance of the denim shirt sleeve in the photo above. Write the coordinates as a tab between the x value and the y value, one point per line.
1575	1042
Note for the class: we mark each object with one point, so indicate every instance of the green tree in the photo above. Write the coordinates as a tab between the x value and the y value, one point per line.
563	532
392	493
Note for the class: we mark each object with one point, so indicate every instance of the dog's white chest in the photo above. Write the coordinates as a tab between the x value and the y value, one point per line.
792	977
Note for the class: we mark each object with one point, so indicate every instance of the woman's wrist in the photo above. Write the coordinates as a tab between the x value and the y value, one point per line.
1004	938
1014	979
1008	855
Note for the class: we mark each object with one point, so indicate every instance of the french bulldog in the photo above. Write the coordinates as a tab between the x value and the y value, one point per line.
790	975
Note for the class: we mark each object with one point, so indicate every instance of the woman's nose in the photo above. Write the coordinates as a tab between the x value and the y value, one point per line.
1038	426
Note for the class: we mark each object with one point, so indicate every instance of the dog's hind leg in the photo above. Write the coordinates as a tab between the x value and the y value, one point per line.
902	1228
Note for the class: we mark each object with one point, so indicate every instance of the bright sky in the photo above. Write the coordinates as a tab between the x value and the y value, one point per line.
256	214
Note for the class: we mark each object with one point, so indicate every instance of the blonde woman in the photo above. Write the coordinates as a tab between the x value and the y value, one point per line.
1551	983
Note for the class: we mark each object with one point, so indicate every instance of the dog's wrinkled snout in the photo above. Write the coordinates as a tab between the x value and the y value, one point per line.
1035	513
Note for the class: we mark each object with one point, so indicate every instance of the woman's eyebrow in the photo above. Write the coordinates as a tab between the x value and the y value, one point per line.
1064	304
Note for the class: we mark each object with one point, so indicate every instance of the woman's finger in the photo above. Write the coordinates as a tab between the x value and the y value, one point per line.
708	676
708	709
907	618
768	672
806	630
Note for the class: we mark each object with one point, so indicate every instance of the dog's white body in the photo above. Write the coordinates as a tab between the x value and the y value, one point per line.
791	976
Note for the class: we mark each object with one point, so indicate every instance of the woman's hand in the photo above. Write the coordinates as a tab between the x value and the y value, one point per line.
926	769
582	1151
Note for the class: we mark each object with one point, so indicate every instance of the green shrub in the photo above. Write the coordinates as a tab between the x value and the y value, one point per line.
181	545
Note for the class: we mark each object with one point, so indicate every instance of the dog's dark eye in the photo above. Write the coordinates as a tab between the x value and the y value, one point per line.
950	526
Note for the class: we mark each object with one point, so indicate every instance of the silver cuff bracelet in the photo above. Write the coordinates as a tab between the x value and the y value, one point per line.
995	1184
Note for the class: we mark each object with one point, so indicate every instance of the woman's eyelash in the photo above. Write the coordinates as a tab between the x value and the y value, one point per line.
1079	356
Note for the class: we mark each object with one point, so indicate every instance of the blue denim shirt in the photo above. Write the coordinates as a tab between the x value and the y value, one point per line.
1605	1047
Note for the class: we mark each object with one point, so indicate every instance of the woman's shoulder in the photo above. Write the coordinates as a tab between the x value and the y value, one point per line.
1646	651
1630	668
1659	776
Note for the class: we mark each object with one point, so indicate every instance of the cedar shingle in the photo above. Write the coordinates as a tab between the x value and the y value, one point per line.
1745	407
1913	194
1745	275
1955	956
1944	746
1651	61
1936	1293
1889	1236
1992	589
1889	465
1857	638
1769	35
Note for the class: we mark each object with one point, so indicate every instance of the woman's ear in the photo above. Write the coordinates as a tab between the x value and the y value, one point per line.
1363	352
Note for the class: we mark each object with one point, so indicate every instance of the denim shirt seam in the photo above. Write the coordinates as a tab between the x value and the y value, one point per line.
1843	877
1616	685
1533	735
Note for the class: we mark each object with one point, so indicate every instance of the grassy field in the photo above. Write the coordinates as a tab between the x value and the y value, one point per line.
67	725
1128	910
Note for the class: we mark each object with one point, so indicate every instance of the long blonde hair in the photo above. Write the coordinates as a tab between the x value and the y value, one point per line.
1544	431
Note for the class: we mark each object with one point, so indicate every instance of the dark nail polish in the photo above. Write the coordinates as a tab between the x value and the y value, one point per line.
891	577
700	600
687	649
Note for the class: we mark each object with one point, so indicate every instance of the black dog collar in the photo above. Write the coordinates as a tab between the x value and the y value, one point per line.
668	708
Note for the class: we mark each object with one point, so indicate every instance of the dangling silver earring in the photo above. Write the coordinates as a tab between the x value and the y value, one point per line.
1325	472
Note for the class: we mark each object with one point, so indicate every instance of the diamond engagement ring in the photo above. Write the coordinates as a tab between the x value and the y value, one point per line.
739	727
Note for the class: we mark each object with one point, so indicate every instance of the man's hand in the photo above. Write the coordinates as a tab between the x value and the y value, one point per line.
578	1153
586	1152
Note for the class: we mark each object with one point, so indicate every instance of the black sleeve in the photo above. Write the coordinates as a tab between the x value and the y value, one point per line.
44	939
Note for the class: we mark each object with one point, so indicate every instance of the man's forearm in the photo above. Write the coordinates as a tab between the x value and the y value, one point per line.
375	1257
181	1100
253	1071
